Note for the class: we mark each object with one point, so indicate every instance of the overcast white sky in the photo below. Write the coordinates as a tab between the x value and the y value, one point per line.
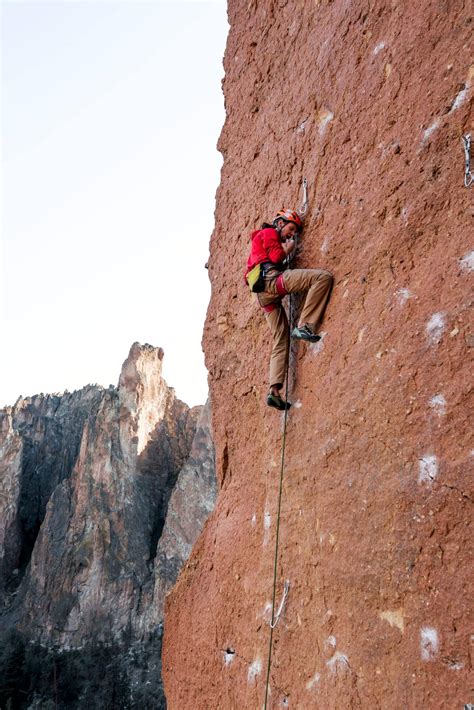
110	116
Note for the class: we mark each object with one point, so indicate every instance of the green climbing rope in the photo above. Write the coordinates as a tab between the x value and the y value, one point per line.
282	467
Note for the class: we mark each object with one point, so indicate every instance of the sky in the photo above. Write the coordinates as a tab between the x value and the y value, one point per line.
110	115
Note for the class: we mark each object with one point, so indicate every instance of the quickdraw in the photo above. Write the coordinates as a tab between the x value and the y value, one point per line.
468	176
304	207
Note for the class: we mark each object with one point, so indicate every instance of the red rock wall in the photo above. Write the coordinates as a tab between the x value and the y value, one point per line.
369	103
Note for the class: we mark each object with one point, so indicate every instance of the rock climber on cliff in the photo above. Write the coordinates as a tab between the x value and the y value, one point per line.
271	280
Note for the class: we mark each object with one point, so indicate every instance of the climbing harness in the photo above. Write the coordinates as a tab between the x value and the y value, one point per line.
276	617
468	176
304	207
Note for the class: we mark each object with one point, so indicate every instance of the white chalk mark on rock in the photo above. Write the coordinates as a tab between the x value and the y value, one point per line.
266	613
338	661
313	681
254	520
467	261
435	327
429	643
330	642
430	130
229	656
255	669
378	48
460	99
297	404
402	296
316	348
325	116
325	244
438	404
428	468
302	126
267	520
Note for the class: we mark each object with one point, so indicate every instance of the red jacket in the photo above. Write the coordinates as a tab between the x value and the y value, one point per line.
266	246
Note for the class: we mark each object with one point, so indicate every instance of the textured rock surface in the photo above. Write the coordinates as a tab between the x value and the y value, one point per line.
86	480
370	104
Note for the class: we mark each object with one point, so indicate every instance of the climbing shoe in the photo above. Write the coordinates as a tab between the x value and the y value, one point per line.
305	333
276	401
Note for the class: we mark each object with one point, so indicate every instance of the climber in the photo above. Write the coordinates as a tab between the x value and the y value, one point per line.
272	247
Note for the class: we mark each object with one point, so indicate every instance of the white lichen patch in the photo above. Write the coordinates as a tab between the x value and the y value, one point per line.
429	643
378	48
255	669
325	116
314	681
467	261
338	662
403	295
316	348
428	468
394	618
436	327
438	404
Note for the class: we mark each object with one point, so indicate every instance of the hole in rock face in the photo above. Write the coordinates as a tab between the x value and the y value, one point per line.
230	651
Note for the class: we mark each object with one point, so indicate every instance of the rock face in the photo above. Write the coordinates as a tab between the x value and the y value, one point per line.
86	479
369	103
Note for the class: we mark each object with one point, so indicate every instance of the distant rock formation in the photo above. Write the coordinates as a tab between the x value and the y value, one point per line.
87	551
369	102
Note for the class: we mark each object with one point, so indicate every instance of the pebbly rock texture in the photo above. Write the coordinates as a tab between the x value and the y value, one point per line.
369	103
86	479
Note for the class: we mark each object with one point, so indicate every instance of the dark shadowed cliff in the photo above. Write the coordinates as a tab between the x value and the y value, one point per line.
87	551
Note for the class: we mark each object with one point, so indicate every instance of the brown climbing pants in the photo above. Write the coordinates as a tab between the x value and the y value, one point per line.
318	284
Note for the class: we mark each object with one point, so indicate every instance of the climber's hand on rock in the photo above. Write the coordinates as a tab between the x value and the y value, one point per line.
288	246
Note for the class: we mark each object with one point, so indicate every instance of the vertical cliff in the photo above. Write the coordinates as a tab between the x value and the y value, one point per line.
369	103
86	480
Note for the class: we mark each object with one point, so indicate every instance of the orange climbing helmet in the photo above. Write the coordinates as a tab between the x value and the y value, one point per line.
289	216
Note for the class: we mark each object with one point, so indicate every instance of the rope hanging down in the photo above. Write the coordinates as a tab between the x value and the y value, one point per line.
276	617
